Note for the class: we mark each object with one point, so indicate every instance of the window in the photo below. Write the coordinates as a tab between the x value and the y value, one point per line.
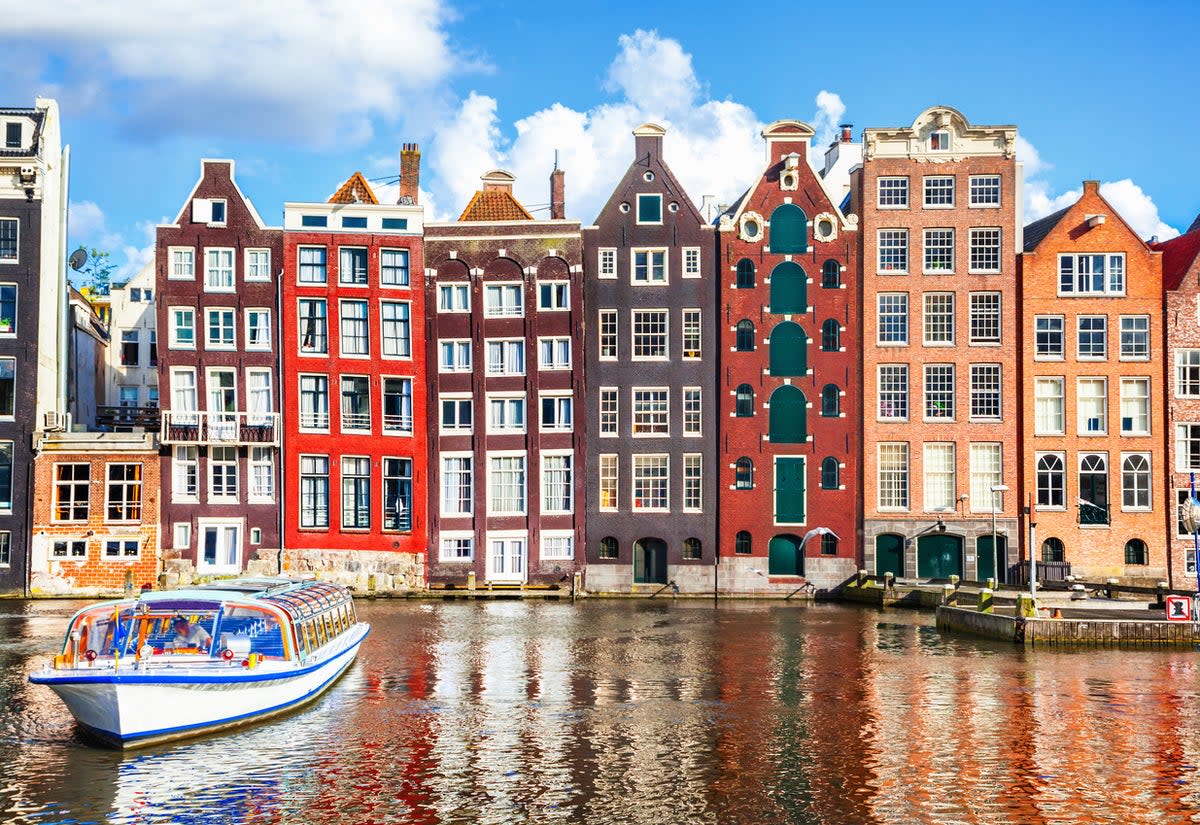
743	474
72	485
608	482
262	474
941	494
313	326
261	399
1092	337
830	401
314	491
129	348
985	317
1092	402
6	468
454	356
124	498
692	549
829	544
1135	406
649	266
503	301
649	208
221	329
938	319
1187	447
457	415
608	334
985	190
312	264
650	411
185	474
218	270
1135	481
356	493
608	411
939	251
985	250
893	318
558	545
217	213
223	473
607	263
691	262
352	265
258	329
506	484
939	392
893	250
831	471
457	548
353	327
743	405
314	402
651	483
69	550
939	141
557	483
939	191
744	336
1048	412
397	494
554	296
691	334
692	411
454	298
1135	337
393	267
258	265
356	402
1102	274
8	309
742	543
1187	373
985	474
393	223
893	392
1135	552
116	549
457	497
1051	481
649	334
183	393
745	274
1093	488
831	274
153	348
1048	337
554	353
398	406
505	357
183	263
1052	550
12	135
831	336
556	413
693	483
893	193
893	476
985	391
397	330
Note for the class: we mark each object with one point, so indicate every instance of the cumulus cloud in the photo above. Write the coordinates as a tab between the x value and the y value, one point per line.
87	226
830	111
653	73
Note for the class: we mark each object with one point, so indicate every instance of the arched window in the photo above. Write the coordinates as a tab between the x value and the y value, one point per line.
608	547
830	473
789	229
745	335
1135	482
743	474
741	544
789	289
1135	552
745	274
789	416
789	350
828	544
831	274
831	336
691	549
831	401
1050	480
1052	550
1093	489
743	406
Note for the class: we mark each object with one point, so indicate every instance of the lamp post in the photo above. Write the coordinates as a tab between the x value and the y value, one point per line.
996	490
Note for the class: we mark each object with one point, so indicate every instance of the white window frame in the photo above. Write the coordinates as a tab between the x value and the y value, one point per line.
448	295
650	252
657	420
901	203
450	543
544	493
691	267
608	339
456	347
1081	427
506	348
559	294
250	314
606	263
893	480
896	235
663	460
174	327
209	313
492	488
455	398
1049	406
256	258
665	315
503	309
609	476
557	536
211	252
978	184
935	186
983	479
555	342
692	406
1148	412
181	258
469	486
608	414
978	250
506	401
557	426
938	474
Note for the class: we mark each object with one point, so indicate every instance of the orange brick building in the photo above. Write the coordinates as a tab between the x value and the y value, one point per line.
1093	427
95	514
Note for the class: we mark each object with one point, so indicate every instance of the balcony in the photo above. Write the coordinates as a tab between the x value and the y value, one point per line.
1092	514
220	428
125	419
398	423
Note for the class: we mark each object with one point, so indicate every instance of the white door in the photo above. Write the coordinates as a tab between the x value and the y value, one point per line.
221	549
506	560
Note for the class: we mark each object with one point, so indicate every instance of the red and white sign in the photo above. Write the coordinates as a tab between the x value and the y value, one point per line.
1179	608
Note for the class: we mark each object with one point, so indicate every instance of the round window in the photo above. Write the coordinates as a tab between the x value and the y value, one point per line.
750	228
649	176
825	228
673	207
624	207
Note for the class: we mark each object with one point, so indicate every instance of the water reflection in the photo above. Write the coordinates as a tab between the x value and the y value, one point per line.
643	712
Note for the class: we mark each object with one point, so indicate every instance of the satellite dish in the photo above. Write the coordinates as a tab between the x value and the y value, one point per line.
78	259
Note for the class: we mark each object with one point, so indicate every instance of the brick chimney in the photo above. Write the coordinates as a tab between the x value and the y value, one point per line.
558	203
648	141
847	132
410	173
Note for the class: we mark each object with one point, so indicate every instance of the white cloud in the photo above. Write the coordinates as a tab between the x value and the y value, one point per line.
86	221
830	111
653	73
1027	154
1137	208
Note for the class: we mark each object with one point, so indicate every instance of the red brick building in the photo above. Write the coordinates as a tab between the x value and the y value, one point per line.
354	383
789	385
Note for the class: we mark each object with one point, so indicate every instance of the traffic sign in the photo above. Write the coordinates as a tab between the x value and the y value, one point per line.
1179	608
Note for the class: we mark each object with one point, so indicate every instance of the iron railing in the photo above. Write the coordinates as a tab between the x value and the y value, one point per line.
203	427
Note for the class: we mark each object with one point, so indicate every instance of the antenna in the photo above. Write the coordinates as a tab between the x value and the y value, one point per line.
78	259
556	160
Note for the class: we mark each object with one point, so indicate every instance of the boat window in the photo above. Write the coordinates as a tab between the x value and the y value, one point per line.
253	626
330	630
309	641
320	632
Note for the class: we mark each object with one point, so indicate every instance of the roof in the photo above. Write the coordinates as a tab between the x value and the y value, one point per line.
1195	225
1178	255
494	205
355	190
1037	231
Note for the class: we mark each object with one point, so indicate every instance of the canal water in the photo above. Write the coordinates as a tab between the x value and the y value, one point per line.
643	712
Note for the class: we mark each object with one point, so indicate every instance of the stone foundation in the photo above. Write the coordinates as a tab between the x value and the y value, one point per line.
736	576
362	571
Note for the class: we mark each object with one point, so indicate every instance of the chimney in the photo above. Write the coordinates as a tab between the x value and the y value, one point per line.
647	141
497	180
847	132
410	173
558	203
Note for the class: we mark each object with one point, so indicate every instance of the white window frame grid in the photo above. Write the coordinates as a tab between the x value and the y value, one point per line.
693	483
608	415
557	426
224	497
563	478
558	347
984	185
448	295
938	192
507	483
692	400
267	341
609	470
691	262
556	539
891	192
456	347
1138	339
982	388
651	252
653	420
503	308
986	247
607	334
986	312
465	475
456	399
405	268
508	403
1048	332
940	476
1112	261
938	319
1060	475
1129	399
1049	405
938	251
398	324
987	471
1081	407
559	293
219	270
893	392
178	261
892	305
362	340
1186	433
508	350
223	314
937	390
892	251
185	473
1187	373
261	472
1148	489
655	317
452	543
661	465
317	420
692	329
256	264
893	490
606	263
304	268
1096	333
173	313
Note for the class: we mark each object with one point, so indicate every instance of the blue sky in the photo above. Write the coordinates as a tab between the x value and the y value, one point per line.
304	92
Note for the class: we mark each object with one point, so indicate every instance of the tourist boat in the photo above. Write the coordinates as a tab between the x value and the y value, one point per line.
131	679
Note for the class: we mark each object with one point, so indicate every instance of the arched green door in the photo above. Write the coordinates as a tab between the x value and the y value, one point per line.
785	558
939	556
789	350
650	561
789	289
990	564
788	416
789	229
889	554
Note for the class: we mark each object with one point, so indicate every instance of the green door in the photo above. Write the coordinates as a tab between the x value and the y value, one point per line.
789	490
789	289
785	558
939	556
789	229
789	350
650	561
989	564
788	418
889	554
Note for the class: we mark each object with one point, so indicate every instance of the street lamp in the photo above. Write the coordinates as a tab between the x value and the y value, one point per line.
996	490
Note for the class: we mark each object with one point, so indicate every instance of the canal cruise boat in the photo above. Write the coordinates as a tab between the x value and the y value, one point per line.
172	664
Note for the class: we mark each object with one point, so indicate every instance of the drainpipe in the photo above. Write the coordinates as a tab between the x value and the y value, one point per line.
64	294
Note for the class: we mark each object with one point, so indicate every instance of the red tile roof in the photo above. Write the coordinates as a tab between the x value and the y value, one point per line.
494	205
355	190
1178	255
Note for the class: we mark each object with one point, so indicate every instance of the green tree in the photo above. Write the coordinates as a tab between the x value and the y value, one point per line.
97	272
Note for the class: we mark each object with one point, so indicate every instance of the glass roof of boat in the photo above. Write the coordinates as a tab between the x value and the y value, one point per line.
308	598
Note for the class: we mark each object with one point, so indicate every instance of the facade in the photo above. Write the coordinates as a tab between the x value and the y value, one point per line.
789	387
131	365
651	356
1093	398
1181	289
217	276
95	514
939	203
354	383
504	293
33	202
87	348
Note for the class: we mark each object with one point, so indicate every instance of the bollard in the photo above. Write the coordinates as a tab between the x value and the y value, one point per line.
954	581
1078	593
949	595
470	579
1160	602
576	585
888	581
129	581
986	597
1109	584
371	583
861	580
991	583
1027	606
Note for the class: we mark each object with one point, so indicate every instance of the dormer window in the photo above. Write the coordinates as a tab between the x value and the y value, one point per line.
209	211
218	212
939	141
649	209
12	136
